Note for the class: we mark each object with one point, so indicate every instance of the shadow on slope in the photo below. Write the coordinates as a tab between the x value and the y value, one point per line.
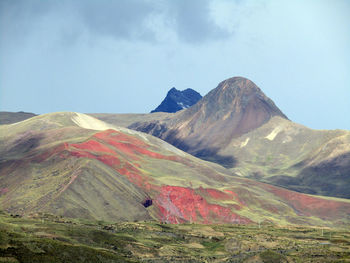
23	144
330	178
206	153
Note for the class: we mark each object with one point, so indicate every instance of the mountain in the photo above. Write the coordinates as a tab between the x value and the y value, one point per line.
12	117
73	165
237	126
293	156
235	107
177	100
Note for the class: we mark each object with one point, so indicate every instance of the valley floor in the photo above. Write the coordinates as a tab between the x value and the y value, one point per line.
47	238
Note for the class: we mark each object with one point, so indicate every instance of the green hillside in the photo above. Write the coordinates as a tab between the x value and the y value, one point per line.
73	165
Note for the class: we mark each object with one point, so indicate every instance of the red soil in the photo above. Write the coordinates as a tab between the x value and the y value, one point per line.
222	196
92	145
47	154
175	204
96	150
104	143
310	205
111	136
110	160
130	145
82	154
216	194
179	204
3	190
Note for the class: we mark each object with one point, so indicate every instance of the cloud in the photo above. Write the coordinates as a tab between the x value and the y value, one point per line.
190	21
122	19
18	17
193	21
132	20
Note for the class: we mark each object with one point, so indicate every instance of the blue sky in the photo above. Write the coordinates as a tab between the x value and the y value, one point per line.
123	56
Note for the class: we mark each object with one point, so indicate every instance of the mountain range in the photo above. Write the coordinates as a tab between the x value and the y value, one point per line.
221	160
236	125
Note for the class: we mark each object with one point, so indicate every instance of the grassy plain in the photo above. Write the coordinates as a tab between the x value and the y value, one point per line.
48	238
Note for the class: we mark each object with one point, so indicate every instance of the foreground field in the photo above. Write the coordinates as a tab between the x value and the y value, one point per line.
47	238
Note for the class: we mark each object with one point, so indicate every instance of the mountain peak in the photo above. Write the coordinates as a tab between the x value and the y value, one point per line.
238	88
238	83
235	107
236	97
173	90
176	100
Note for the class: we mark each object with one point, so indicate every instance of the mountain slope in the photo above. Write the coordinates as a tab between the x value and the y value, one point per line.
294	156
12	117
176	100
74	165
235	107
127	119
237	126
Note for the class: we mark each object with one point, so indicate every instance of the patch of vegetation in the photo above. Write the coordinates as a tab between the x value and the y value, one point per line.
48	238
269	256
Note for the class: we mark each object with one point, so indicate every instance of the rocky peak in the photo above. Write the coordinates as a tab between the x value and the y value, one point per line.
176	100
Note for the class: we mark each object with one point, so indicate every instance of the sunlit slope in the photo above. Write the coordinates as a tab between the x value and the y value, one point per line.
296	157
126	119
69	164
239	127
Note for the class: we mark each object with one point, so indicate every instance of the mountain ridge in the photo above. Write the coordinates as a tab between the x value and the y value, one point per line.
233	108
177	100
68	164
217	128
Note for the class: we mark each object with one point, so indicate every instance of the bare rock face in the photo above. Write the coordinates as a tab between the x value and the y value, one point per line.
177	100
235	107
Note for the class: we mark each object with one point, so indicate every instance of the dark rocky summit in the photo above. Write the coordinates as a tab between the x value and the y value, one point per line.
177	100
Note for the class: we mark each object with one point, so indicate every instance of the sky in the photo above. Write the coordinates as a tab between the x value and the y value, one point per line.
123	56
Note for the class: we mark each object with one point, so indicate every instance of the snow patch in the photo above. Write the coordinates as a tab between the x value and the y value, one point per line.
287	139
88	122
274	133
243	144
91	123
182	105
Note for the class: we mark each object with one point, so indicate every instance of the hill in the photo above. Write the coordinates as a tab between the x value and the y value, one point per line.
73	165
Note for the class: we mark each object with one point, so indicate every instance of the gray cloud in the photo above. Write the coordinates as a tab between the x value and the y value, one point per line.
193	22
121	19
18	16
